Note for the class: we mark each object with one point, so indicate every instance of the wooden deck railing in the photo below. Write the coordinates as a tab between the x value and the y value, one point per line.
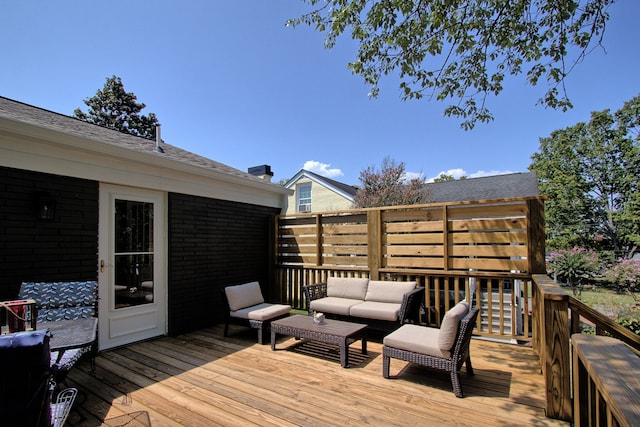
504	301
557	315
487	247
605	390
493	250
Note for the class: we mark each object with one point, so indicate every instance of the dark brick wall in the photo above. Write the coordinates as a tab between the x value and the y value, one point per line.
65	248
212	244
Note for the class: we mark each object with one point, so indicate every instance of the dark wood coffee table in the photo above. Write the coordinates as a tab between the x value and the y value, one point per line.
334	332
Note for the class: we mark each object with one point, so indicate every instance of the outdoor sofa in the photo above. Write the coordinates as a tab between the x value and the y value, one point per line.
382	305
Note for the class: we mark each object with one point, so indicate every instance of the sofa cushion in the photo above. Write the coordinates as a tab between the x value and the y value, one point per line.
62	300
450	323
66	313
347	287
60	294
388	291
242	296
376	310
262	311
417	339
334	305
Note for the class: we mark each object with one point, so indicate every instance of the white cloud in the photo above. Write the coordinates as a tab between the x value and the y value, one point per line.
481	173
456	173
408	176
323	169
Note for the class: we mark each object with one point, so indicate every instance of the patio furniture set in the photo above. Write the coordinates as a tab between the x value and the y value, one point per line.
50	328
446	348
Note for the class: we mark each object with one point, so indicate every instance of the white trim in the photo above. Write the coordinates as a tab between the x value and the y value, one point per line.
29	147
127	325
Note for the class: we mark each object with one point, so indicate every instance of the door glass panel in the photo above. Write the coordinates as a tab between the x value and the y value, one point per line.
133	253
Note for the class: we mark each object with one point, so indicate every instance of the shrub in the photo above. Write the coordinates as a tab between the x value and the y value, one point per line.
630	323
573	266
625	276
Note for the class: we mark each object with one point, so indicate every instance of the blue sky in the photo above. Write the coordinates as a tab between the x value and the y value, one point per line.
229	81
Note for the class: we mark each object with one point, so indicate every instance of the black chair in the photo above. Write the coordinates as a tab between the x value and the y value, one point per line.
26	387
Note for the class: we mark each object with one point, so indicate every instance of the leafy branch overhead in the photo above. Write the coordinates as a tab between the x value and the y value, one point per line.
463	49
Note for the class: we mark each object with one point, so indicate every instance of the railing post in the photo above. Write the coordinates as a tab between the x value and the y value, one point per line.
536	236
374	243
554	346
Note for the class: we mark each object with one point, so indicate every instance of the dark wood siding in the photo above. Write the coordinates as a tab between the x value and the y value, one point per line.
212	244
31	249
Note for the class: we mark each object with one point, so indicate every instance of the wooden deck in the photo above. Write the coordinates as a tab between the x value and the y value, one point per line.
203	379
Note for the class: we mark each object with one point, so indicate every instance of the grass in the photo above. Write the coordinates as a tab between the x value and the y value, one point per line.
609	302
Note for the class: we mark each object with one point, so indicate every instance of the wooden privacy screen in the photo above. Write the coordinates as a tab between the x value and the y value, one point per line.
504	236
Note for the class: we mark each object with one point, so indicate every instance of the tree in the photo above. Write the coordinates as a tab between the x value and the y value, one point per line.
389	187
114	108
443	177
591	174
464	49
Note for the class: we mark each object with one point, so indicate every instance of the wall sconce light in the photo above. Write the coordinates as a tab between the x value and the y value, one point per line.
45	206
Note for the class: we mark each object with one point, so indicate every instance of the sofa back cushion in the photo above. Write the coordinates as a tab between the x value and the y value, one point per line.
388	291
347	287
449	326
62	300
243	296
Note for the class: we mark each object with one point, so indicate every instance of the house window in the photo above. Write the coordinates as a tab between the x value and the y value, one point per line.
304	198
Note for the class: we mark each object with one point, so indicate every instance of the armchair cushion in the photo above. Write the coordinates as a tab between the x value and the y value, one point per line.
347	287
449	326
243	296
416	339
262	311
385	291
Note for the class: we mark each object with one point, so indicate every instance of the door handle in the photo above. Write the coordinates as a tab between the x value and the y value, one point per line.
101	266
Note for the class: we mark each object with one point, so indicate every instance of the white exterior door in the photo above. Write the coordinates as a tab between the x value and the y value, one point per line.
132	270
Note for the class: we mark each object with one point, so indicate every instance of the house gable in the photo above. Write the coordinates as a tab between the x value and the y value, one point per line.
326	194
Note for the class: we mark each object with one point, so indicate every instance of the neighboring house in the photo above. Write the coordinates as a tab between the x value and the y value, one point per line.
521	184
161	229
315	193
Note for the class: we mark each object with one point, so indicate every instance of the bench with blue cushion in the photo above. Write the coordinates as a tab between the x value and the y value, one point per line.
63	301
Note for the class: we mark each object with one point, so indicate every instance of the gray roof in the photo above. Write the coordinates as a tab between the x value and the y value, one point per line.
522	184
18	111
506	186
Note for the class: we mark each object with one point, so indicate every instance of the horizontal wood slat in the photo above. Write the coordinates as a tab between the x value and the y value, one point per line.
488	236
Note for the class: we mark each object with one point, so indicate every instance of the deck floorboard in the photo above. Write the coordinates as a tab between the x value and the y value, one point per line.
203	379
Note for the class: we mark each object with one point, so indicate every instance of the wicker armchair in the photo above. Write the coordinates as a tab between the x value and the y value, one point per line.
247	307
445	349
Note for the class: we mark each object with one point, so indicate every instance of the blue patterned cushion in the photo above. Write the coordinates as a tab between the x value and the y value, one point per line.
62	300
65	313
